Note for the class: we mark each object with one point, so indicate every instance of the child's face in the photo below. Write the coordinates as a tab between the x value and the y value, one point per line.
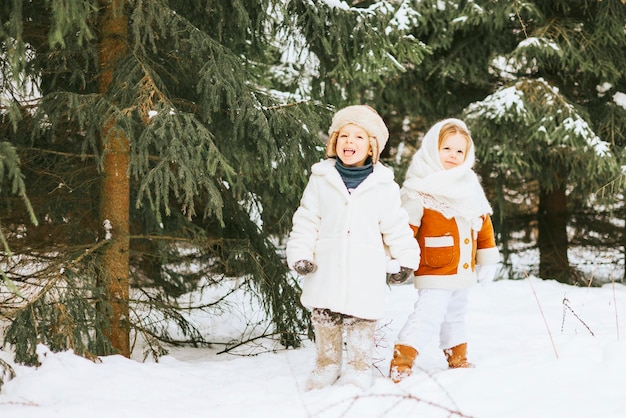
353	145
452	151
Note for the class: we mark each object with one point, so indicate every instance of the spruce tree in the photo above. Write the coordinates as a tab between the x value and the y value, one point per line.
559	129
153	136
526	76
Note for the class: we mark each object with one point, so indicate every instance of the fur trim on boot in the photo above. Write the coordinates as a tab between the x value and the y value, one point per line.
328	345
402	362
457	357
359	350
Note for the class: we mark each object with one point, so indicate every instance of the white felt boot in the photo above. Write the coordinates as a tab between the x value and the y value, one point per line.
359	350
328	345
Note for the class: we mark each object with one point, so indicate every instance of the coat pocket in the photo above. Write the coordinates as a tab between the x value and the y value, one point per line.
438	251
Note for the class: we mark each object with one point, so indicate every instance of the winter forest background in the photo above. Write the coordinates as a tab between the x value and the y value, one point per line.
153	148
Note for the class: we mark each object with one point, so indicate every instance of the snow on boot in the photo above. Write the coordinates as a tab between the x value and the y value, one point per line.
457	357
328	345
359	351
402	362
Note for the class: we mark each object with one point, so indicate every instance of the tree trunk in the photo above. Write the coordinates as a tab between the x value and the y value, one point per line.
115	189
552	239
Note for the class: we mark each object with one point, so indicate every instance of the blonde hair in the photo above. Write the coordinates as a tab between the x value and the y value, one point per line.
452	128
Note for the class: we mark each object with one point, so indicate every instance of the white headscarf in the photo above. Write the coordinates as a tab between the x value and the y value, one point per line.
453	192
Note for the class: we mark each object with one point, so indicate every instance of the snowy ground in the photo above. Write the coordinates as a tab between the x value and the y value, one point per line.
542	349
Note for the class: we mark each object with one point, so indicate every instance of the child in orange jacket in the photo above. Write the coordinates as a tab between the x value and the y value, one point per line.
450	216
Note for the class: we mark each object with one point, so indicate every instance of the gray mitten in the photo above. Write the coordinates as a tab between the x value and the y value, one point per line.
304	267
401	276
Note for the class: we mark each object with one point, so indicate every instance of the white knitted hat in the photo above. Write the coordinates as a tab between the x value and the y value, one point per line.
365	117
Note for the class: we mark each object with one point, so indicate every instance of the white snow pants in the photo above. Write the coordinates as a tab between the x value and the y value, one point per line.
436	311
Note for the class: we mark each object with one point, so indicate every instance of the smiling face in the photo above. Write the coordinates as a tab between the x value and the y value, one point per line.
353	145
453	150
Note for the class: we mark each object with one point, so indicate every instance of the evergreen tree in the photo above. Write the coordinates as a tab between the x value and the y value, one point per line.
555	148
154	135
558	129
525	75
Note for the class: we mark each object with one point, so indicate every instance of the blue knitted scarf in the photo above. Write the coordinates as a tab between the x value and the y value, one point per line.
353	176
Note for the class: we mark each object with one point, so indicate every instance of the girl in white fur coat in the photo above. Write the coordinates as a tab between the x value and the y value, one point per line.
450	216
349	220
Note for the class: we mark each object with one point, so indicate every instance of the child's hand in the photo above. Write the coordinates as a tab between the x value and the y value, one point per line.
401	276
304	267
485	273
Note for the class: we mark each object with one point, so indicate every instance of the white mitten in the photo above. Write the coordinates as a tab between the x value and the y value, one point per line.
485	273
393	266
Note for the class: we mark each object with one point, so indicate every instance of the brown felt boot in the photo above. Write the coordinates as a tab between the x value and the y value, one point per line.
457	357
402	362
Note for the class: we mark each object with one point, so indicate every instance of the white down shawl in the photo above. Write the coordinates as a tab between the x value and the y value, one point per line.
453	192
349	237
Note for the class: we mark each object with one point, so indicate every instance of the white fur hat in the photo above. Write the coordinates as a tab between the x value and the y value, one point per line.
365	117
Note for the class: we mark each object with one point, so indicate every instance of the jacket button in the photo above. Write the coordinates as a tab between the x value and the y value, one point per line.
467	241
466	266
